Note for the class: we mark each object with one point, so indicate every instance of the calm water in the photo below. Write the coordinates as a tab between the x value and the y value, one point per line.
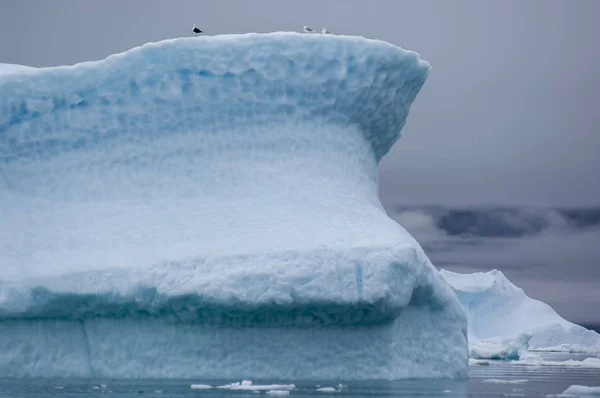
536	381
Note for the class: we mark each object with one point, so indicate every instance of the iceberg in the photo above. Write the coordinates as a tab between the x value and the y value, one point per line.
578	391
208	208
504	323
499	349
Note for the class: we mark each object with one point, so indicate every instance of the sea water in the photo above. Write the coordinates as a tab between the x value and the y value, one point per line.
500	378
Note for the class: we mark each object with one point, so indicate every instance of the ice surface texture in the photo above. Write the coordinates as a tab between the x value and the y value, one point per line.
503	318
579	391
208	207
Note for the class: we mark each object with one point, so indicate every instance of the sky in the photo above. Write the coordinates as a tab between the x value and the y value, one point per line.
508	116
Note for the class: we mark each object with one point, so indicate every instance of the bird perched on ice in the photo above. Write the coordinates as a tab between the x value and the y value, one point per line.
196	30
325	31
306	29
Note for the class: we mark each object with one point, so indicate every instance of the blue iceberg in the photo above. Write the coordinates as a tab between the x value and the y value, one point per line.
208	207
504	322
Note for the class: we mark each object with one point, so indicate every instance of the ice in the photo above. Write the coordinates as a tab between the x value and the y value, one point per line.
572	348
504	322
585	391
247	385
278	392
11	69
538	361
505	381
200	387
502	349
327	389
191	207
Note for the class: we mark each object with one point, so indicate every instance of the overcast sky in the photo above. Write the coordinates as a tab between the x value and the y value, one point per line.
509	114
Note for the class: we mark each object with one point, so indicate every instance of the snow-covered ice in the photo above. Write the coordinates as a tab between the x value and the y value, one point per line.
584	391
506	381
504	322
247	385
200	387
327	389
538	361
11	69
499	349
191	207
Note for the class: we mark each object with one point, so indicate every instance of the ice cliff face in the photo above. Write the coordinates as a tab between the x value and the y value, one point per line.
208	207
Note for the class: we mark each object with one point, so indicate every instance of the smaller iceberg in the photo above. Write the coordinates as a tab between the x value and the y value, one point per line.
585	391
500	349
504	323
247	385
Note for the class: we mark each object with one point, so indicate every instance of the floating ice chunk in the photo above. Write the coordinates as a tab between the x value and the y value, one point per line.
278	392
327	389
248	386
586	363
500	350
505	381
585	391
529	356
200	386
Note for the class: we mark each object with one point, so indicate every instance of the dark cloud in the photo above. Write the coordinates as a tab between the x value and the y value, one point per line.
508	116
552	254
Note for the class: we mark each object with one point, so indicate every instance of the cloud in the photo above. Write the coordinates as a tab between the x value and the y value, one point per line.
552	253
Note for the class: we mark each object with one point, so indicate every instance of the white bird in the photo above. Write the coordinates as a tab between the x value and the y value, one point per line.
196	30
325	31
306	29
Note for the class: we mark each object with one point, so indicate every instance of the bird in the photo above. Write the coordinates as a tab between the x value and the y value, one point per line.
196	30
306	29
325	31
